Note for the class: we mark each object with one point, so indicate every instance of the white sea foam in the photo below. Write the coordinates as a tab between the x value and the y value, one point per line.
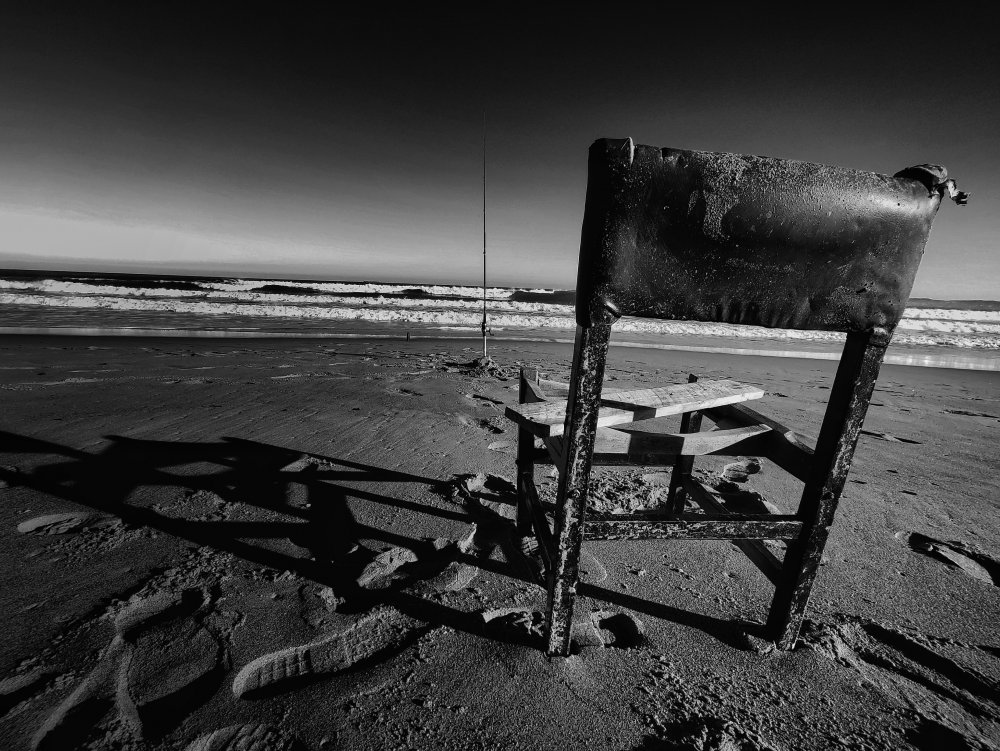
951	315
450	307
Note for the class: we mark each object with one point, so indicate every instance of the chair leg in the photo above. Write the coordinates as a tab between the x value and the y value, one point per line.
845	414
525	461
582	409
683	465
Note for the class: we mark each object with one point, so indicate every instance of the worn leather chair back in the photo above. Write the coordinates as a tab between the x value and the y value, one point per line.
702	236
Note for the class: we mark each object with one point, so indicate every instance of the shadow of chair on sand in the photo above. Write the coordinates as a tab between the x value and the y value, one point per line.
308	488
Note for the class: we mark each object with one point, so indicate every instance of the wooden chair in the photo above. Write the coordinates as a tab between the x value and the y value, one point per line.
728	238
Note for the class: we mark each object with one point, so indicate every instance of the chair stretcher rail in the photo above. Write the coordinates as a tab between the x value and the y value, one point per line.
696	527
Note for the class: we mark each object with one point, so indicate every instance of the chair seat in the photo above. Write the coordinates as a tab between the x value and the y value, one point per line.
547	419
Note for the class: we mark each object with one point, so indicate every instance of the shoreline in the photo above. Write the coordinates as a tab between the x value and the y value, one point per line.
909	359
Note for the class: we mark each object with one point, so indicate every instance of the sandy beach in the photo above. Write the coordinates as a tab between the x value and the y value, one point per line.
276	543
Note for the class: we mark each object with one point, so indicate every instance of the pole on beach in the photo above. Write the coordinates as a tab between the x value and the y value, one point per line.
485	356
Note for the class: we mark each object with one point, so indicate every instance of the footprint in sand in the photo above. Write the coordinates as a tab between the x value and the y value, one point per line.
159	665
956	554
376	633
249	737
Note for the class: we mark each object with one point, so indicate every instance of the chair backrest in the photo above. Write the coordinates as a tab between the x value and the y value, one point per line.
702	236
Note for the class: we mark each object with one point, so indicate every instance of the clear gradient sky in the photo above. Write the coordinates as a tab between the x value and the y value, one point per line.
275	139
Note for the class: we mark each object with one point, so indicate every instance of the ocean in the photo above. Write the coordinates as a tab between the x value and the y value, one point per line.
936	333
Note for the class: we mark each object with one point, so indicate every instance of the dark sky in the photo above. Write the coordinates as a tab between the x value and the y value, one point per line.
305	141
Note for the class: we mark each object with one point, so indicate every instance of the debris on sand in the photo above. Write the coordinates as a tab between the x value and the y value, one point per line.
712	734
249	737
467	486
600	628
375	633
740	471
453	577
382	572
622	630
970	413
331	600
888	437
626	493
584	634
738	499
956	554
61	524
516	624
481	367
657	479
432	563
484	492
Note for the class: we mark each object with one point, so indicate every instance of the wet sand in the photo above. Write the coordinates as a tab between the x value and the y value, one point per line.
216	543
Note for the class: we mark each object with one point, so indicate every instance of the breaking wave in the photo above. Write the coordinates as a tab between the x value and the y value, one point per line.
449	307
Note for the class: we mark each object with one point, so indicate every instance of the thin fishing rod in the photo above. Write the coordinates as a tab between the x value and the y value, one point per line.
484	236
